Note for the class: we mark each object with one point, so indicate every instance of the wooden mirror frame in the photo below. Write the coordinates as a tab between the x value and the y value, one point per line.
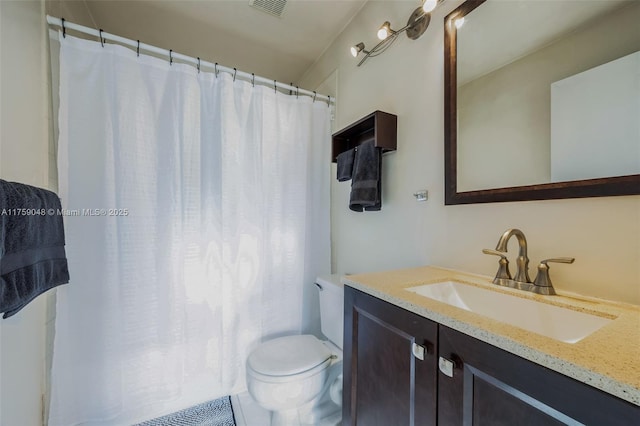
602	187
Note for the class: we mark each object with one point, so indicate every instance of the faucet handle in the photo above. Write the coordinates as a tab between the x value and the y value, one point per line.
495	253
503	270
559	260
542	283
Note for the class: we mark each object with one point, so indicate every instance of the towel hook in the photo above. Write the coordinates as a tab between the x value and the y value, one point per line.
64	30
235	71
138	49
170	57
198	65
101	39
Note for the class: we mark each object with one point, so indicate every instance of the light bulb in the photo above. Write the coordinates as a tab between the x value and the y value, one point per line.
458	22
355	50
384	30
429	5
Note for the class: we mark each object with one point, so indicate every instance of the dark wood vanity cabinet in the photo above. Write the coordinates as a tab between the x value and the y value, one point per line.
385	384
491	386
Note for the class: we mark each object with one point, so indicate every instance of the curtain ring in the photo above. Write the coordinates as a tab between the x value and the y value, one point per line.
170	57
64	30
235	71
101	39
215	69
138	49
253	80
314	95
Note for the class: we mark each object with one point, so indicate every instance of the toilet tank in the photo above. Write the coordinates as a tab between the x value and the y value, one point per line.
331	307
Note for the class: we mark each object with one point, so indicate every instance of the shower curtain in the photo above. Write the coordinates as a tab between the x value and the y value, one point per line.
196	213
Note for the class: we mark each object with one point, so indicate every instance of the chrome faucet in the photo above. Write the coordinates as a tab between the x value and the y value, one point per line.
542	283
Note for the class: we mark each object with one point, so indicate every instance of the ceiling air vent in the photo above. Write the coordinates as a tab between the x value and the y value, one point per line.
272	7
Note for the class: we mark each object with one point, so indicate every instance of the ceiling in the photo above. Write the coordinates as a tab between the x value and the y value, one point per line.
231	32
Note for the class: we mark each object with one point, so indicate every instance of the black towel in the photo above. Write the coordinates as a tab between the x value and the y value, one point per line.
32	255
366	179
345	164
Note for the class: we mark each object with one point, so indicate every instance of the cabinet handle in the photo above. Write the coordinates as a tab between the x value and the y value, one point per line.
446	366
418	351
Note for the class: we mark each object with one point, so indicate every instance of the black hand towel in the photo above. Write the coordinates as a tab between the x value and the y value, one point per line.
32	255
345	165
366	179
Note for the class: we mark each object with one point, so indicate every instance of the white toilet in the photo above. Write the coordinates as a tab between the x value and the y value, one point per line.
299	378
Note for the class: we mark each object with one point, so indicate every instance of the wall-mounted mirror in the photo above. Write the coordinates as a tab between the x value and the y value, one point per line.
542	100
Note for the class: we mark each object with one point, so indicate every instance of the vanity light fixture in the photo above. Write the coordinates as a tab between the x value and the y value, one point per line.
429	5
355	50
385	30
416	26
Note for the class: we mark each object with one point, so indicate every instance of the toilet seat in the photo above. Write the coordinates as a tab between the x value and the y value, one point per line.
289	357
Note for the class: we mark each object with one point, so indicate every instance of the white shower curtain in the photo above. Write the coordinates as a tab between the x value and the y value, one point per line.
197	212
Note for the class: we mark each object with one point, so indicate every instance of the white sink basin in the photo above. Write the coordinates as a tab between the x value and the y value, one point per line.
552	321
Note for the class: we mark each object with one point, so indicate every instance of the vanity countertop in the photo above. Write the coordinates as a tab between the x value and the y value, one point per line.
608	359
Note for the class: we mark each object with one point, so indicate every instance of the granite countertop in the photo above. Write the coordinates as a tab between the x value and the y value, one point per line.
608	359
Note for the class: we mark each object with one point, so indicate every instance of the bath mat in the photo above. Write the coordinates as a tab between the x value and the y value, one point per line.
213	413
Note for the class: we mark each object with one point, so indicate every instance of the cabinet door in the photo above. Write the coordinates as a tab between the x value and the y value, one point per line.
494	387
384	382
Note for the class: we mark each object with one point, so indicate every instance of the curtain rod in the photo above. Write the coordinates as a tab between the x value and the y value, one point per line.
51	20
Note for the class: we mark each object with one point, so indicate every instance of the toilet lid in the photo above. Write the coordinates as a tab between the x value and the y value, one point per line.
288	355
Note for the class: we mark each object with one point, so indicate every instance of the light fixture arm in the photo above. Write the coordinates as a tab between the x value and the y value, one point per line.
378	48
416	26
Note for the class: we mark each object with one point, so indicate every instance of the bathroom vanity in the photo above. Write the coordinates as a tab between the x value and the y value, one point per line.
416	360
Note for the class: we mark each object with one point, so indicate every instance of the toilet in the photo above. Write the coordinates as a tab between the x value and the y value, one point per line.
299	378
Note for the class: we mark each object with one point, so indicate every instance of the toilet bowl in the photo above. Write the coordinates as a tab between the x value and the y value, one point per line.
299	378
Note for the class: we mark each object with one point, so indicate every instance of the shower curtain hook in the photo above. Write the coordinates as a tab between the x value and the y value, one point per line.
253	80
138	49
101	39
235	71
215	69
64	30
314	96
297	91
329	101
170	57
198	64
275	86
291	90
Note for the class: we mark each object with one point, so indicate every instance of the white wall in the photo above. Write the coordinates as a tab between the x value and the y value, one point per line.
23	157
602	233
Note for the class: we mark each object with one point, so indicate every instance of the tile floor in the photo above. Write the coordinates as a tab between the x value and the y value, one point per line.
247	412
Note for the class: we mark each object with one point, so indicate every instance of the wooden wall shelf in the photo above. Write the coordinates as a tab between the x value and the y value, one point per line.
379	126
